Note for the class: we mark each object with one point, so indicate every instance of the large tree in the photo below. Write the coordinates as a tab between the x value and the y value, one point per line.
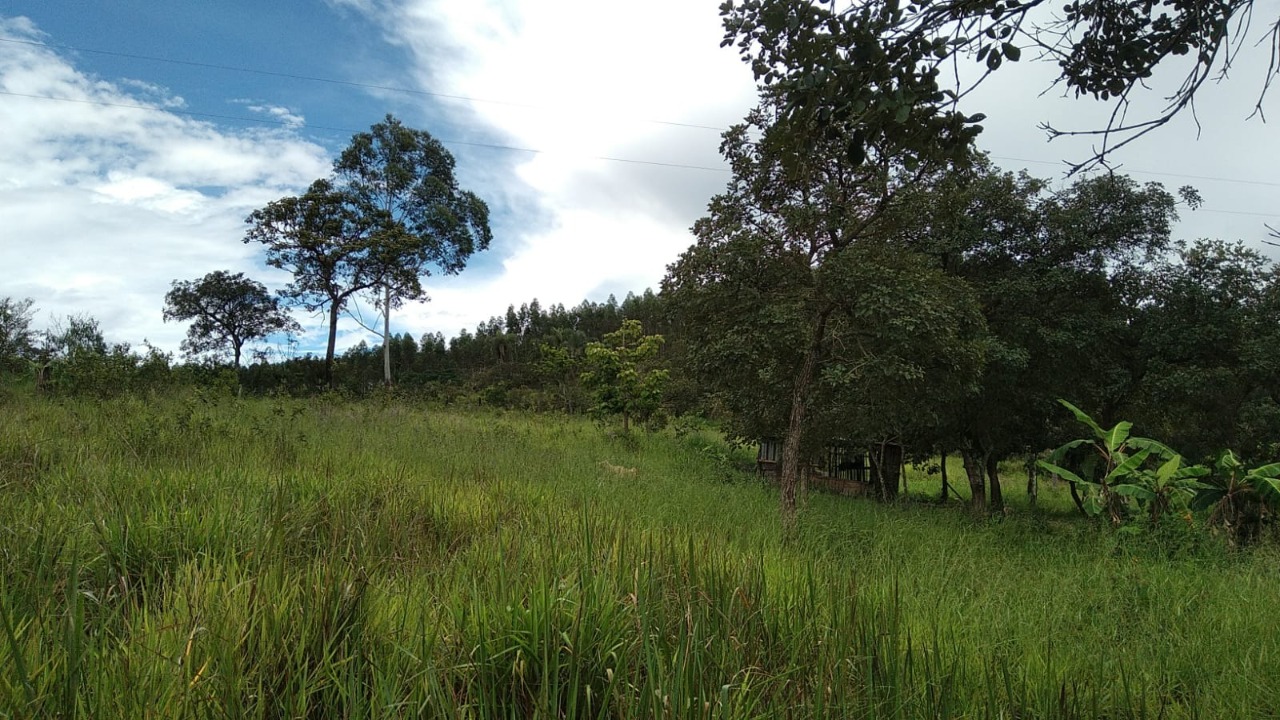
1204	371
791	297
324	239
418	219
227	310
893	73
1059	279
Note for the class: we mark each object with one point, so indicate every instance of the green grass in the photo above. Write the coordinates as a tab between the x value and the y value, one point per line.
189	557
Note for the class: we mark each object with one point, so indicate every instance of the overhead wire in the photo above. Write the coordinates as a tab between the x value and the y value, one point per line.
293	125
319	79
466	143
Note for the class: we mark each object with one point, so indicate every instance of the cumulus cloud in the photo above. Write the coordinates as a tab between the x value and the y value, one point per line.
580	81
104	205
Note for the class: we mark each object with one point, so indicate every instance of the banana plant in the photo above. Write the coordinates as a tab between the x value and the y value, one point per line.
1118	466
1238	497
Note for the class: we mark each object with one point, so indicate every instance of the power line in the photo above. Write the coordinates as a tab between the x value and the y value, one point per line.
533	151
318	79
427	93
284	123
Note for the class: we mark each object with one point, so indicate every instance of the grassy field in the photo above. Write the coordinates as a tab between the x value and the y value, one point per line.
189	557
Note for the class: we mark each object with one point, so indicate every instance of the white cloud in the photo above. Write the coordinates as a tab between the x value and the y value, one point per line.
283	115
104	205
580	80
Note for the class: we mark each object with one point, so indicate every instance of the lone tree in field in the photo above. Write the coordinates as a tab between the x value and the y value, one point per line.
417	219
322	238
621	376
227	310
892	73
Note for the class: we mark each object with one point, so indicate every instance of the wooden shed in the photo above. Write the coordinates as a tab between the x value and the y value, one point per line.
840	467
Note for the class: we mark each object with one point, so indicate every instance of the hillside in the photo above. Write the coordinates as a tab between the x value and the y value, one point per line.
212	557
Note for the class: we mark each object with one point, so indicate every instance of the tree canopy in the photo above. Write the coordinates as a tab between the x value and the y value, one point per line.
892	74
227	310
325	242
417	218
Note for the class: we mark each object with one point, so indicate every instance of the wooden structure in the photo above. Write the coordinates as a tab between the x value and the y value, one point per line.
840	467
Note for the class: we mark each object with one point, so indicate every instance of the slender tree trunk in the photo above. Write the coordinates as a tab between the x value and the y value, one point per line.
945	487
993	475
333	342
888	470
386	336
795	427
973	467
236	345
1033	481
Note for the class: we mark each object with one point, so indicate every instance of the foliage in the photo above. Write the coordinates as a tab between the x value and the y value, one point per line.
1058	276
889	76
1117	467
621	375
228	310
323	239
401	181
795	289
75	359
1202	364
16	336
1240	498
194	556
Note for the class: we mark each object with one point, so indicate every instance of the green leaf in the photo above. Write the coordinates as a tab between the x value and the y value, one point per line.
1269	491
1084	418
1159	449
1167	470
1117	435
1064	473
1266	471
1011	51
1136	491
1126	468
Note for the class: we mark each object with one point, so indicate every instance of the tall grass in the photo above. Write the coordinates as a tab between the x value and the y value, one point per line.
200	557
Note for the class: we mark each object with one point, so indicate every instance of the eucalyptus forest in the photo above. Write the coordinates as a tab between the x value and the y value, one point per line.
1066	421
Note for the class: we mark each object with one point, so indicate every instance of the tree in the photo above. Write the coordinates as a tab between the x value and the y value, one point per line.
228	310
888	73
1059	277
327	243
1203	350
16	337
416	218
781	299
620	374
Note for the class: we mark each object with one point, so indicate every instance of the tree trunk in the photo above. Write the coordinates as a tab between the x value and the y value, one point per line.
973	467
993	475
795	428
333	341
945	487
236	344
386	337
888	470
1033	481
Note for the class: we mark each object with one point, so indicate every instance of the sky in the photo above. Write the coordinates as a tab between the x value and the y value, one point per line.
138	136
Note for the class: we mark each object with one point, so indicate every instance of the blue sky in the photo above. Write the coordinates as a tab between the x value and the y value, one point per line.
102	206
